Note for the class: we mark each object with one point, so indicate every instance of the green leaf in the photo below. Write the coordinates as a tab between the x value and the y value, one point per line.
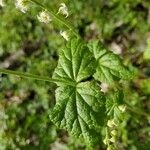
76	62
80	108
110	66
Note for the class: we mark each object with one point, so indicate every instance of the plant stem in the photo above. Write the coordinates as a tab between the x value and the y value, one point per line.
57	18
32	76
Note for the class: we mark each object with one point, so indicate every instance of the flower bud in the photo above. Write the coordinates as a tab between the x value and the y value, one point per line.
109	147
114	132
111	123
65	35
122	108
112	139
44	17
105	141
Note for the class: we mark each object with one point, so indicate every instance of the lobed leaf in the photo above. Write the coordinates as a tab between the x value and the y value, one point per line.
110	66
80	108
76	62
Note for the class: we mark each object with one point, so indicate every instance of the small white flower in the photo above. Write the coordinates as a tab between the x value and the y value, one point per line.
63	10
116	48
2	3
111	123
65	35
22	5
104	87
122	108
44	17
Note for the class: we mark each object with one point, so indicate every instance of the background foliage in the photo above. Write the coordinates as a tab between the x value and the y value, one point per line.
27	45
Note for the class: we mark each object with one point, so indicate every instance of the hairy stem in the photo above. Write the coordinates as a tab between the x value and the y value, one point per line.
57	18
37	77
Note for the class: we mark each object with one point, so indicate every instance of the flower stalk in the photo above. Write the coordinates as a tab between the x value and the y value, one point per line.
36	77
57	18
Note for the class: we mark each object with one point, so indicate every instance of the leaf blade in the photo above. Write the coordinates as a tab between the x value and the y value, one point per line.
79	108
110	66
75	63
82	110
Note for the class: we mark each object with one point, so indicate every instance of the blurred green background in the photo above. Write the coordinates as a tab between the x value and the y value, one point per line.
26	45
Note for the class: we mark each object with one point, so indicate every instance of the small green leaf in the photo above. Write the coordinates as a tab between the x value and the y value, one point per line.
110	66
80	107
